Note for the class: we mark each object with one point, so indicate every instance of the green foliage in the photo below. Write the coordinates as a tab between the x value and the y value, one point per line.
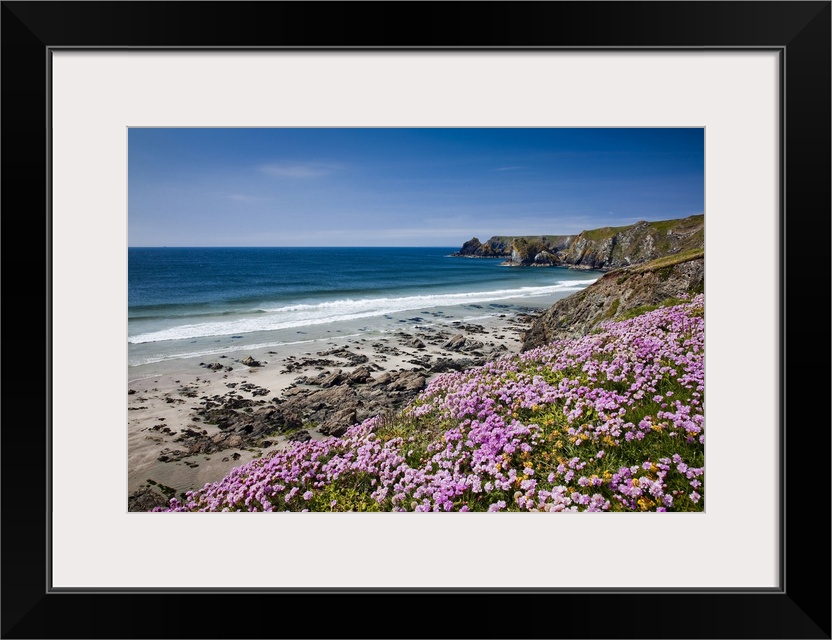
416	434
604	233
612	309
646	308
348	494
669	261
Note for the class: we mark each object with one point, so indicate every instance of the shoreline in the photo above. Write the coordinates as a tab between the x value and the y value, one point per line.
192	420
508	262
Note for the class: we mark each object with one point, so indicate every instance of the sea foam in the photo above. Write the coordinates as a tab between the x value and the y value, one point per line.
299	315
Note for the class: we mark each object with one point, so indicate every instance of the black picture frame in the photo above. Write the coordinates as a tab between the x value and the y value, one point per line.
799	608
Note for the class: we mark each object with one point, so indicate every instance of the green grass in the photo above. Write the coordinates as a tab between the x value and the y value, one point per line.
613	309
668	261
603	233
683	224
646	308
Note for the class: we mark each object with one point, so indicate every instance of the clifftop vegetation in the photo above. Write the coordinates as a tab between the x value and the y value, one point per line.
604	248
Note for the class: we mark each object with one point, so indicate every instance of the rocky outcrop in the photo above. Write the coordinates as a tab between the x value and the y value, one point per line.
461	343
615	247
331	402
361	375
471	248
604	249
148	496
503	246
455	343
538	251
617	295
545	258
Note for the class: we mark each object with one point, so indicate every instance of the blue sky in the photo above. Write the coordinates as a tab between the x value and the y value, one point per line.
403	187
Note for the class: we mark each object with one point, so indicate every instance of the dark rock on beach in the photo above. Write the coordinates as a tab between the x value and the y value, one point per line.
338	401
411	381
456	343
146	498
332	379
447	364
337	423
300	436
351	359
361	375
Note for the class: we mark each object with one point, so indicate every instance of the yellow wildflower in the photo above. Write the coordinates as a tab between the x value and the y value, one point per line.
645	503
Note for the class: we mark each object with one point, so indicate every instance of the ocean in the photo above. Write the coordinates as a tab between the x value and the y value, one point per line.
191	302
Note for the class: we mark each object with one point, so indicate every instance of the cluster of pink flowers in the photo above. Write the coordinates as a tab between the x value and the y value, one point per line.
610	421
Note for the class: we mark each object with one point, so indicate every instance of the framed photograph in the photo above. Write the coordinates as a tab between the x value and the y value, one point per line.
124	123
345	311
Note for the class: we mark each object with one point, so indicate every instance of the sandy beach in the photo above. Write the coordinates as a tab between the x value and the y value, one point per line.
192	420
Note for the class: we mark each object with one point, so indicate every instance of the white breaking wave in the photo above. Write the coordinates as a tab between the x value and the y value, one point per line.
301	315
215	351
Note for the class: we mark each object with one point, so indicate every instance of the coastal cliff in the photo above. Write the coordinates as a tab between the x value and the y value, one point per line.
620	294
604	249
508	246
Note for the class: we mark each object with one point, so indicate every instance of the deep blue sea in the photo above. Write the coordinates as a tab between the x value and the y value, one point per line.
189	301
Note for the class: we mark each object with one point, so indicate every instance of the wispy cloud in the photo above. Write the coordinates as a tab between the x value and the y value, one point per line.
241	197
297	169
508	168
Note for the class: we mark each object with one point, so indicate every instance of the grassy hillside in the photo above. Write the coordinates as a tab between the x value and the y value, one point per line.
691	224
604	248
620	294
664	262
548	240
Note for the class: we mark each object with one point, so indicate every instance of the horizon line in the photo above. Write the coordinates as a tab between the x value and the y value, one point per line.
295	246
